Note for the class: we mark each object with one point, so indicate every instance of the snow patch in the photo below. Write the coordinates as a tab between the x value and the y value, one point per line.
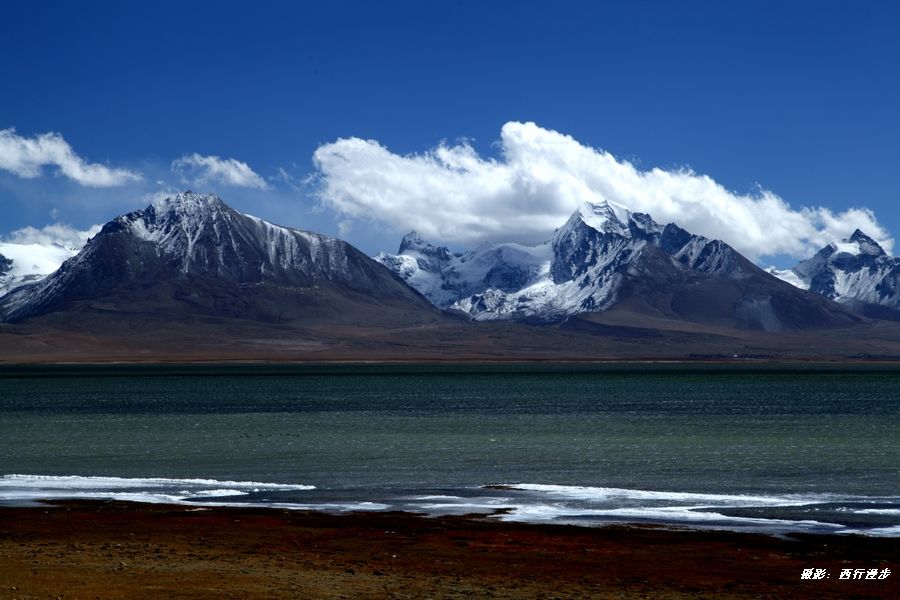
789	276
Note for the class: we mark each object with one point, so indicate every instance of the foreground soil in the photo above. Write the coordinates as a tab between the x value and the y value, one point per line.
111	550
107	335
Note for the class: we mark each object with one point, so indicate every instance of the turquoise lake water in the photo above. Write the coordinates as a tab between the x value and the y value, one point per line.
743	447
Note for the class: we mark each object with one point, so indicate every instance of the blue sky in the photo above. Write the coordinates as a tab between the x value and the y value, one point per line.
795	100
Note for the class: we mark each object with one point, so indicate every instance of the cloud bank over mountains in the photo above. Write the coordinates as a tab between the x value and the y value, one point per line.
202	170
26	157
56	234
451	194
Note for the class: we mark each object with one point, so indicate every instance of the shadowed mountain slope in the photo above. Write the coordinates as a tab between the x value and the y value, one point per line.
193	254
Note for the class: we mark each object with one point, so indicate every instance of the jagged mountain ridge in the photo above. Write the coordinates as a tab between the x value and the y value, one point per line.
194	253
605	256
855	272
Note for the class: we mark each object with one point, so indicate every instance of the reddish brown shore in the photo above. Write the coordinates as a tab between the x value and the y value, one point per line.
92	550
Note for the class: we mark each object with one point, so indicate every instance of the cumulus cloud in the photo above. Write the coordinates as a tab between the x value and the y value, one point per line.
204	169
452	194
26	157
58	234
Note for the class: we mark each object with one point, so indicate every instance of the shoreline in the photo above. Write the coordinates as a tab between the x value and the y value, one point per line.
812	361
111	549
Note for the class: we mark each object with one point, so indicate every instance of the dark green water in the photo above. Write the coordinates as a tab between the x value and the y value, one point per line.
590	442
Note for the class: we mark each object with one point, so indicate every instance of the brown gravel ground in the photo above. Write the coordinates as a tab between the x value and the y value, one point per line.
111	550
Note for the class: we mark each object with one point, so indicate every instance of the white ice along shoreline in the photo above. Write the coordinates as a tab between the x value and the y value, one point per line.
22	488
519	502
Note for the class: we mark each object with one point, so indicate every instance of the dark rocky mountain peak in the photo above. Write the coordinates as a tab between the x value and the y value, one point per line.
866	244
192	252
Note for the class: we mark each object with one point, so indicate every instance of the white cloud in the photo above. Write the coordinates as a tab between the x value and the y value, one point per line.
26	158
204	169
452	194
345	227
58	234
284	177
158	196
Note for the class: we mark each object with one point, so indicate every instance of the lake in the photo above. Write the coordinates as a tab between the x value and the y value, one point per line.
749	447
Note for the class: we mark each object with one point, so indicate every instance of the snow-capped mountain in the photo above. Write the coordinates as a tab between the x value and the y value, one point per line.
445	278
193	253
600	257
855	272
21	264
579	270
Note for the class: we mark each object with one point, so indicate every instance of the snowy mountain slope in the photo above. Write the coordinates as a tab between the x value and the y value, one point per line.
192	252
27	263
601	255
444	277
788	276
855	272
578	270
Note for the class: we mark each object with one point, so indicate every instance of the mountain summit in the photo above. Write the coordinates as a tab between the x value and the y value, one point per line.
192	253
855	272
606	257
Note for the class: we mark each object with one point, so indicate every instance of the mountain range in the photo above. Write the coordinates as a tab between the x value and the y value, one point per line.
190	276
605	256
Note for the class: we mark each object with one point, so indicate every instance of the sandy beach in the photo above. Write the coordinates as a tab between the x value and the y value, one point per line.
111	550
